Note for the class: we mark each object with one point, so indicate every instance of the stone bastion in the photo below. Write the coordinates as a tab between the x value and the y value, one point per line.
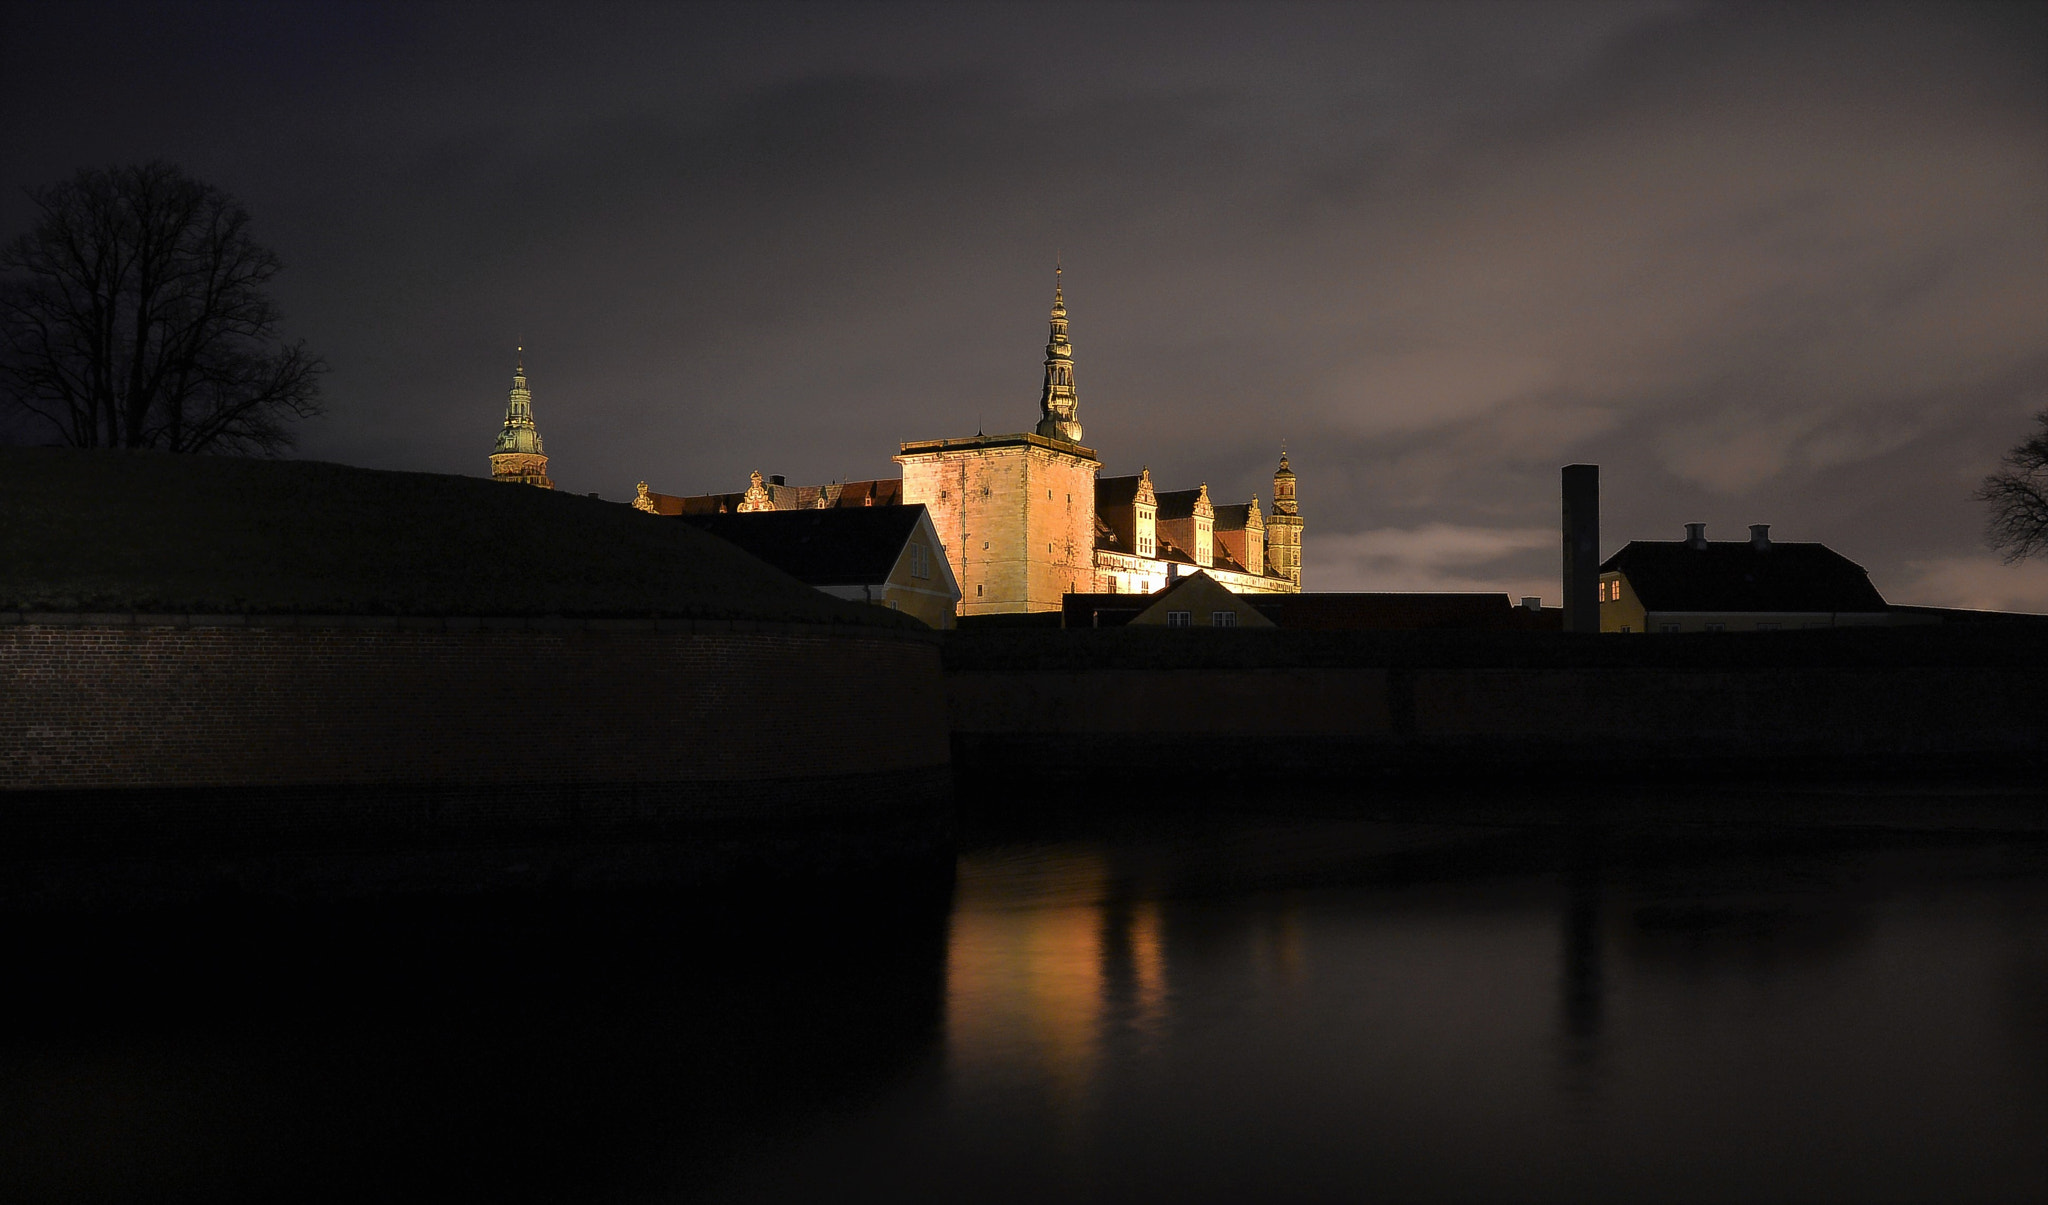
304	679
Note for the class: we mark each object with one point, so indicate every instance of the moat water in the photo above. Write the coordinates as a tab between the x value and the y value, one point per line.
1213	1009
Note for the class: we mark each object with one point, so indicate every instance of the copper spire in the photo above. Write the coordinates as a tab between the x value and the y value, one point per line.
1061	411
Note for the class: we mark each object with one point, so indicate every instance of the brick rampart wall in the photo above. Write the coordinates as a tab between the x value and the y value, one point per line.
182	703
156	756
1340	721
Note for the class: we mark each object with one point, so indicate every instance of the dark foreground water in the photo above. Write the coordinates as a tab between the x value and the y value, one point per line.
1208	1009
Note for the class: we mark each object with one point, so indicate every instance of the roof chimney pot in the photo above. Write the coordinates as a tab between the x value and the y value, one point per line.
1760	536
1696	535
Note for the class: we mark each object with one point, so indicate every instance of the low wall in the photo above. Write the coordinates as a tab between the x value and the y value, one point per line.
1315	705
649	748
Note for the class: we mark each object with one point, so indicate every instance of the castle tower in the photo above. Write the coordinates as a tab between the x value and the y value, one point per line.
1015	513
1062	415
519	457
1283	526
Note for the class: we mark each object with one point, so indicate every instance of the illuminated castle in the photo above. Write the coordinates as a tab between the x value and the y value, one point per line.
1025	519
519	457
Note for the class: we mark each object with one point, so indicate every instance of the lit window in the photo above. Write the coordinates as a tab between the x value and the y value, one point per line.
1180	619
1223	619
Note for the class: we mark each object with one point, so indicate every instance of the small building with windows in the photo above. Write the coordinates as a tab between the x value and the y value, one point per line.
1196	600
886	555
1753	585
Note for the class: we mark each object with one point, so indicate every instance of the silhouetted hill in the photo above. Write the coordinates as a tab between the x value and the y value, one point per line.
141	531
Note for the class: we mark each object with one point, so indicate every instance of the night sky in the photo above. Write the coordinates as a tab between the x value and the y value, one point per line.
1763	264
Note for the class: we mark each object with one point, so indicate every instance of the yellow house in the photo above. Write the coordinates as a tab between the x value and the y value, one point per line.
1200	601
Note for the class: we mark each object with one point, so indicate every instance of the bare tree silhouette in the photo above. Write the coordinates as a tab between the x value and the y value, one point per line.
134	314
2018	495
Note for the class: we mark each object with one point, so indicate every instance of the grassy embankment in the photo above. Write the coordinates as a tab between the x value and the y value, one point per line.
109	531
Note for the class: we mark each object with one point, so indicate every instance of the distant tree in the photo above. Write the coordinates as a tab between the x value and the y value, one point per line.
2018	494
134	314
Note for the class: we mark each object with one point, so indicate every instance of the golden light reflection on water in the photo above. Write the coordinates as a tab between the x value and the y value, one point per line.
1038	962
1148	969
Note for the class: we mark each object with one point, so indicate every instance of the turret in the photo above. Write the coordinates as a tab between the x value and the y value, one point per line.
519	457
1056	402
1283	527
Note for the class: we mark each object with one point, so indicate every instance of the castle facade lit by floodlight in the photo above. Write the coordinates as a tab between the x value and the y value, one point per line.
1025	519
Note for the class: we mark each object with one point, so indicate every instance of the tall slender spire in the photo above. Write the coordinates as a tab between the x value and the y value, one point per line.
1062	419
519	456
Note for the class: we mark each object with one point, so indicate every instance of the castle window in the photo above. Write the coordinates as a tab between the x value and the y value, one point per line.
1222	619
920	561
1180	619
977	591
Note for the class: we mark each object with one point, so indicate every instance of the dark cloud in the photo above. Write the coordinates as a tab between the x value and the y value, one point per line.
1765	263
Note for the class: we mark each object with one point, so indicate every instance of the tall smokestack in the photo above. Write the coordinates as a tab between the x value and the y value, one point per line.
1582	548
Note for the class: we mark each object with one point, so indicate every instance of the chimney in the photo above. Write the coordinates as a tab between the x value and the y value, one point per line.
1760	536
777	480
1696	536
1581	548
1531	602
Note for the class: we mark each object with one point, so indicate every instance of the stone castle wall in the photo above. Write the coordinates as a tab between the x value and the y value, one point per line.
1347	709
282	734
1017	521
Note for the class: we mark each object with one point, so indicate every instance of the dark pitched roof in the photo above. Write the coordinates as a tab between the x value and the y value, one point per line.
1731	575
1177	504
885	491
1116	491
1399	611
701	504
1234	516
842	546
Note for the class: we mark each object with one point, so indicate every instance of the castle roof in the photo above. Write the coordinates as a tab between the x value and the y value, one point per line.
1117	491
1181	504
1239	515
1732	575
837	546
887	491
